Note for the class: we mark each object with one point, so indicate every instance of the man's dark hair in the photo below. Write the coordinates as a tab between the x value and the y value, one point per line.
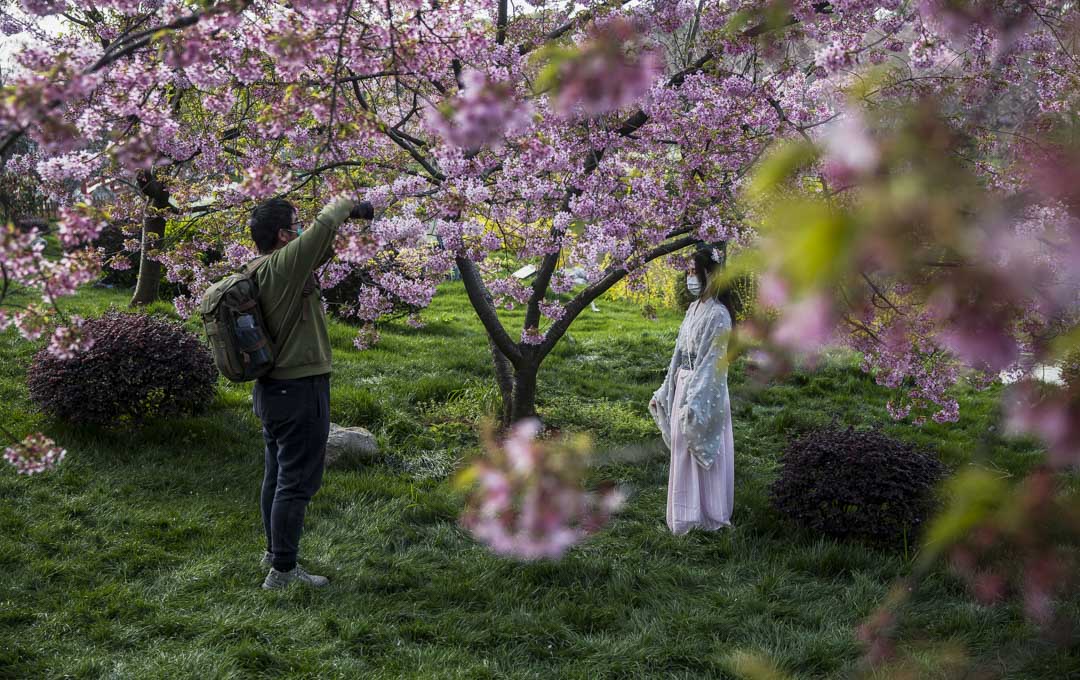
267	219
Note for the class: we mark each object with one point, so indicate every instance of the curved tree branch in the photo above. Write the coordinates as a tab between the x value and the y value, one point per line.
121	49
481	302
570	25
595	290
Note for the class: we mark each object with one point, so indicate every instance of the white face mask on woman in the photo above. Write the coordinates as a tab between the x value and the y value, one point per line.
693	285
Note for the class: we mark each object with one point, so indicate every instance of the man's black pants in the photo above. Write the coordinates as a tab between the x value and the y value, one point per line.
296	422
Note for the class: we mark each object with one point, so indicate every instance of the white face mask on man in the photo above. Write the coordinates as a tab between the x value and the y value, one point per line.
693	285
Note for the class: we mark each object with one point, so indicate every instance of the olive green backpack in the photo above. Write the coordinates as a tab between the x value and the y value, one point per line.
233	320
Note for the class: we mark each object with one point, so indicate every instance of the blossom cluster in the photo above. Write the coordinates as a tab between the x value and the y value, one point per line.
35	454
484	113
613	70
528	502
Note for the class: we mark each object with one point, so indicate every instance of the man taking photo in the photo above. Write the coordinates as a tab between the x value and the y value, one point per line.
293	400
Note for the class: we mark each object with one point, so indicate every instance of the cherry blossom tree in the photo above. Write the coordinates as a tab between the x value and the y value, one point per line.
589	142
902	173
579	141
172	108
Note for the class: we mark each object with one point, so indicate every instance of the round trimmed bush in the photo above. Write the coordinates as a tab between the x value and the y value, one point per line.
856	483
139	367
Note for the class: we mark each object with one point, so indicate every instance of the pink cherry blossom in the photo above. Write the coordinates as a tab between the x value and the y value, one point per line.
527	502
606	76
34	455
806	326
1055	418
850	151
483	114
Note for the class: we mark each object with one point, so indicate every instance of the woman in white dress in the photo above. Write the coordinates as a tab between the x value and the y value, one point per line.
692	410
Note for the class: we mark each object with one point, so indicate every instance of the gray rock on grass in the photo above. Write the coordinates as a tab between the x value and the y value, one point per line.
349	445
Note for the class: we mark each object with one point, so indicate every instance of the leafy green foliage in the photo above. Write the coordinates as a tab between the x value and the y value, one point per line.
1070	370
974	494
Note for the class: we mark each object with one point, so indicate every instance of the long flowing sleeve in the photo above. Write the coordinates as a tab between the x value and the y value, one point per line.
706	414
661	405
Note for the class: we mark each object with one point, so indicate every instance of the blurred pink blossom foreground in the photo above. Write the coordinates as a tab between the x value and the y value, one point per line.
37	453
527	501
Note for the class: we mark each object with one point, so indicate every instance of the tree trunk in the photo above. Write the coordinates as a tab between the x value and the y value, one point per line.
517	386
519	394
153	229
504	378
523	403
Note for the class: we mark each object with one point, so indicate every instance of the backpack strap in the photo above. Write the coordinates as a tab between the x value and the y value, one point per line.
249	268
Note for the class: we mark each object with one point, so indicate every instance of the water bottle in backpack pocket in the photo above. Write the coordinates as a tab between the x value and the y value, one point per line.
252	340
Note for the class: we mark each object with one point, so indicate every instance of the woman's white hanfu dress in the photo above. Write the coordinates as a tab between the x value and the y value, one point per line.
692	411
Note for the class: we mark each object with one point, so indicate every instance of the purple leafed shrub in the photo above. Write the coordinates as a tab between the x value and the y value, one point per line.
139	367
856	483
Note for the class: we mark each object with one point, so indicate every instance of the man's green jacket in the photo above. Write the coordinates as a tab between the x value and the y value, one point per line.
297	321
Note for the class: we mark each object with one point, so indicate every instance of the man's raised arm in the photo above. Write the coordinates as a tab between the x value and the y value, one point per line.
303	254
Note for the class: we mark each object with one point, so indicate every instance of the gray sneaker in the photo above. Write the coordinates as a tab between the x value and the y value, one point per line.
279	579
267	560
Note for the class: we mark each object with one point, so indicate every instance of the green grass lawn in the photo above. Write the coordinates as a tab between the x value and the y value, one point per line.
138	558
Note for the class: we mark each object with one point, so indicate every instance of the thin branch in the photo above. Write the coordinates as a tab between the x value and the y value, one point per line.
371	76
412	151
397	137
693	30
481	302
595	290
7	282
878	293
500	23
858	325
144	38
767	27
337	70
76	20
775	104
